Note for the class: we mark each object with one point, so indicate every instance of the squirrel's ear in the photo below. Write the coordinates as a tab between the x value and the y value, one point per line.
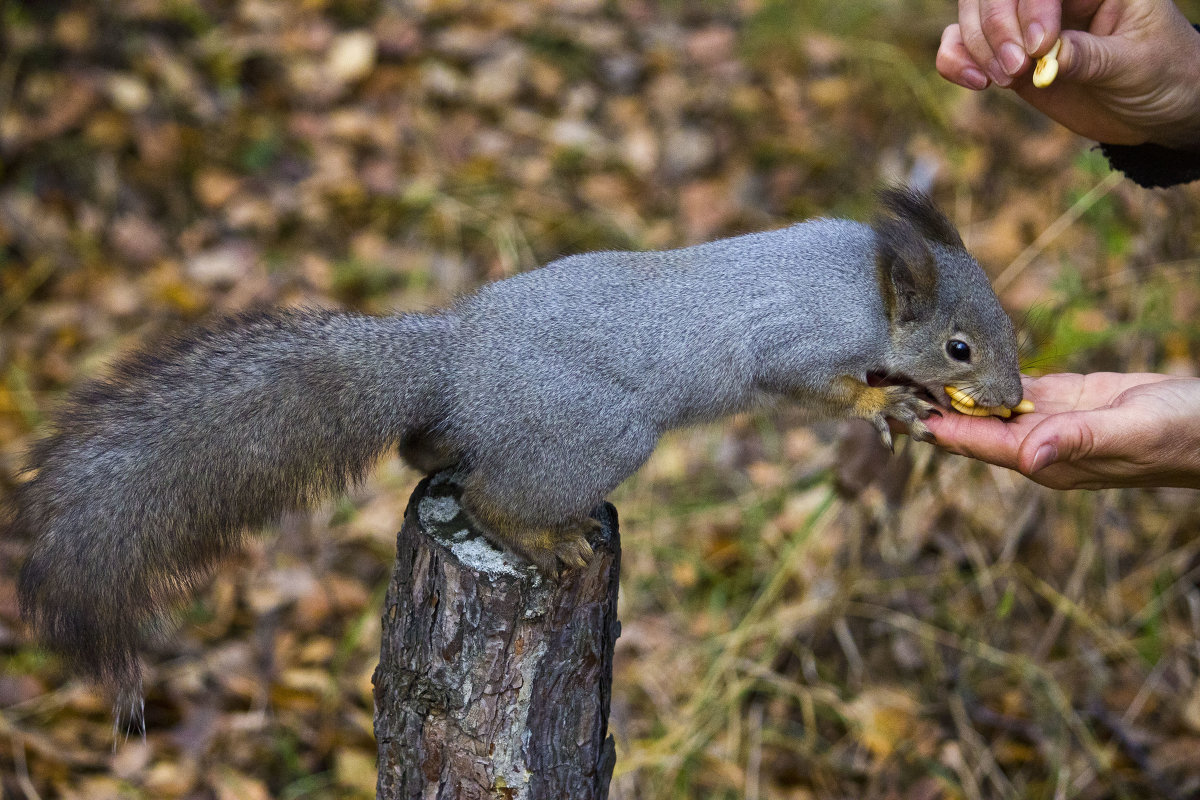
907	270
917	209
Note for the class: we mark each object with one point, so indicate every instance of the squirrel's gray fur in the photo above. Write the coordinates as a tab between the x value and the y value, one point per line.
549	388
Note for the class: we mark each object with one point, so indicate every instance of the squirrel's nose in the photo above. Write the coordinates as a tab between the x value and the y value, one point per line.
1009	397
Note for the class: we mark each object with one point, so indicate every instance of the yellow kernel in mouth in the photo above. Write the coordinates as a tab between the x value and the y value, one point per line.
971	411
963	403
958	395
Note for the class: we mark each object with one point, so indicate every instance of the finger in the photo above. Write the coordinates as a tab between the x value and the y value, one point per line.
976	43
1041	22
1054	394
1075	437
984	438
955	64
1002	29
1095	390
1085	58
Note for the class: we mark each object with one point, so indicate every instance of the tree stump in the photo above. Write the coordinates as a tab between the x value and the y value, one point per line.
493	681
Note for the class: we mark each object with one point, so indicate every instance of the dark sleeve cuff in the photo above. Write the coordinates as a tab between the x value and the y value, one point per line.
1152	165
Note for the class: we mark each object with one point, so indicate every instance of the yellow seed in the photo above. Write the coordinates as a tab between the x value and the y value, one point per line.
957	394
970	411
963	403
1023	407
1046	69
986	411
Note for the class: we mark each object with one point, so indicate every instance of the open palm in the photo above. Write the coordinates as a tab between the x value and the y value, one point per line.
1091	431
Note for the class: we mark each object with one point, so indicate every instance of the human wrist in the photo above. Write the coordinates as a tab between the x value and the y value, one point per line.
1182	131
1189	457
1183	134
1181	469
1170	155
1167	113
1177	446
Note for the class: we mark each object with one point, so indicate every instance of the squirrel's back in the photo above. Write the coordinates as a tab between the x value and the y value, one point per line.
648	328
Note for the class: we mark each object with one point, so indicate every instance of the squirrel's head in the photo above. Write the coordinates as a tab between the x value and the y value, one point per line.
946	324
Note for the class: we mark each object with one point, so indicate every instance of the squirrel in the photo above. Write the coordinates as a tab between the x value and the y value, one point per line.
547	388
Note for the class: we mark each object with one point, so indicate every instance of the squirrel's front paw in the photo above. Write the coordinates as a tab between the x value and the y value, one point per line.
903	405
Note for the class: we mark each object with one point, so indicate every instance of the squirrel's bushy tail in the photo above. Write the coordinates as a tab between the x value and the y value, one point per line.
152	474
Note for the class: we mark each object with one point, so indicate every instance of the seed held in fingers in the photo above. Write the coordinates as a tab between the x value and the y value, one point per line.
1046	69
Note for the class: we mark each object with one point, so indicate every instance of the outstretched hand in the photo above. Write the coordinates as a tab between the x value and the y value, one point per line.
1127	69
1091	431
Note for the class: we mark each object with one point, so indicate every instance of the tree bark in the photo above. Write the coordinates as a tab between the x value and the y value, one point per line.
493	681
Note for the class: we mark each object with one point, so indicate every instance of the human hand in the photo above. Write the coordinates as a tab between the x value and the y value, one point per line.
1127	69
1091	431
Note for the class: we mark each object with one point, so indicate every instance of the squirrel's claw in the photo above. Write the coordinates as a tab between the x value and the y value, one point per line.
920	431
885	433
905	407
556	551
574	553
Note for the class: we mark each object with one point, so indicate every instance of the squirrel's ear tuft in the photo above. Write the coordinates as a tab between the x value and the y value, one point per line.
917	209
907	270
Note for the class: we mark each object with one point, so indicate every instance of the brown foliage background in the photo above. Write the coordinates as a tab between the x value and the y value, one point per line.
801	620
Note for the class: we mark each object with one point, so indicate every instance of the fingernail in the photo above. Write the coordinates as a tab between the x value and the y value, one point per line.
1044	457
1035	34
997	73
974	79
1012	57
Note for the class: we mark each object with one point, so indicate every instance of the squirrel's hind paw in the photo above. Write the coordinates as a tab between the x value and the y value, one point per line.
555	550
575	552
550	549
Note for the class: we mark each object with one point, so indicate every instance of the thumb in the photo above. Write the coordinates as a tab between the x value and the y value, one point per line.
1059	437
1085	58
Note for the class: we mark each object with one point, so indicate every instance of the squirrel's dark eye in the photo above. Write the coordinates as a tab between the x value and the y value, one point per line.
958	350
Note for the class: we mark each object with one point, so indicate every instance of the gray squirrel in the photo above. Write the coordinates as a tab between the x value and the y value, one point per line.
548	388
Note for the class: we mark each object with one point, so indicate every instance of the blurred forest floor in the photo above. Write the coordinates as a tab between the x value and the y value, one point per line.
802	618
